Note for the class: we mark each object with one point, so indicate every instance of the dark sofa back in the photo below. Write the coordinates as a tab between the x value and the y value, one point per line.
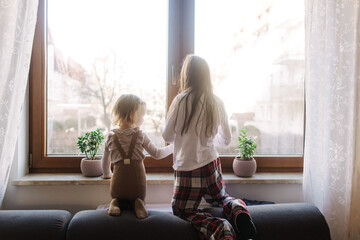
97	224
34	224
275	221
295	221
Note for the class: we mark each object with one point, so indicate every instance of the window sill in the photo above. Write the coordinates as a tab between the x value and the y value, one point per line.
57	179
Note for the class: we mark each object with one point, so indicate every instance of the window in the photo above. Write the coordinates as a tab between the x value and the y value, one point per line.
255	50
94	59
82	62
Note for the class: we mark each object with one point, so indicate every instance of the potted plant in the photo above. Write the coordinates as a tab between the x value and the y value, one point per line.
89	145
244	165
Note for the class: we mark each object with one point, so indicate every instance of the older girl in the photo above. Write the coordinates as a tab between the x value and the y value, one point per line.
197	121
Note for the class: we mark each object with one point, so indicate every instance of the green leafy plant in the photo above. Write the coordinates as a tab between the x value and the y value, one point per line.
246	146
90	142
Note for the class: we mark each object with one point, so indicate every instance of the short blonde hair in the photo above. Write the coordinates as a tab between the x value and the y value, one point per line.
125	108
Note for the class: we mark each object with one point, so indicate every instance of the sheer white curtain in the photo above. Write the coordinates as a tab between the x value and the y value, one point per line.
332	136
17	25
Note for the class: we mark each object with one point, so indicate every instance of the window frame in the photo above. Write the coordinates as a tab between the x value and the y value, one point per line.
180	43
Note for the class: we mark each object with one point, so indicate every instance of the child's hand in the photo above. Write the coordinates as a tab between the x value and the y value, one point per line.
171	145
105	177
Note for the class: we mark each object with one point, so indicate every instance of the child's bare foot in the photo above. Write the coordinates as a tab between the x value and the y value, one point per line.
114	209
140	209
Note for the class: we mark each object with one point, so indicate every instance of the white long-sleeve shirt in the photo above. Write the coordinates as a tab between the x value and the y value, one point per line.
193	149
112	154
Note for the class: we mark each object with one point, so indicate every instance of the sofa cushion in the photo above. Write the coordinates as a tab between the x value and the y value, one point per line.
97	224
34	224
286	221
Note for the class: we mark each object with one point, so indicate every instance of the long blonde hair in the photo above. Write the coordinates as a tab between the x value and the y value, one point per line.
125	109
195	80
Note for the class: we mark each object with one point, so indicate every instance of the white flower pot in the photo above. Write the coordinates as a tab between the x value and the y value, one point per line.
244	168
91	168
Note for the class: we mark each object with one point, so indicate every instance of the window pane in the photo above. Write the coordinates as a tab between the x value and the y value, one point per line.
255	50
98	50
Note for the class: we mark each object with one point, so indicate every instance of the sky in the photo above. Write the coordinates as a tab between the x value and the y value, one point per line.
137	31
217	30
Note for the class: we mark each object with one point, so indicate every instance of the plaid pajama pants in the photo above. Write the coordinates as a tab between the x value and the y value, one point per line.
207	182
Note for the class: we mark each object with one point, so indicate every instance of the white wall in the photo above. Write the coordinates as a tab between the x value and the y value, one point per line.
74	197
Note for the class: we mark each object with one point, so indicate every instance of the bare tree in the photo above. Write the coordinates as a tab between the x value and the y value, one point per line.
106	88
103	84
155	109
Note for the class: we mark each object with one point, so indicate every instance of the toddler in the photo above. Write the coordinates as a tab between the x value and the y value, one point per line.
124	147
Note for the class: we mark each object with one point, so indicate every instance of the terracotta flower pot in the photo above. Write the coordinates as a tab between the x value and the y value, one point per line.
91	168
244	168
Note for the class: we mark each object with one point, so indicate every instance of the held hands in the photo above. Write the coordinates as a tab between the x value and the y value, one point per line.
106	176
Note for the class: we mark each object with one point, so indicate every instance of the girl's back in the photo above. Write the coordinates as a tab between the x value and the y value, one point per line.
194	145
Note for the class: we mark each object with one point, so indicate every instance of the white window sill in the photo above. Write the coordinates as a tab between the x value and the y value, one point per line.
54	179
